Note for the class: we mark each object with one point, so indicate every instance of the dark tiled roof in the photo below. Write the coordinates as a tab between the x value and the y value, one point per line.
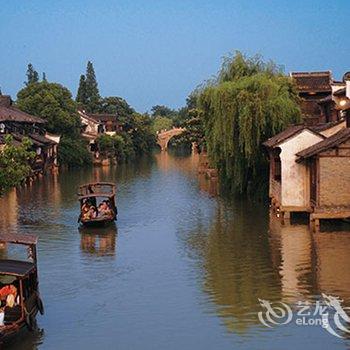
330	142
87	116
340	92
13	114
325	126
102	117
284	135
42	139
313	81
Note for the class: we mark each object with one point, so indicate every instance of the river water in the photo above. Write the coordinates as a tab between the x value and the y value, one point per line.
181	269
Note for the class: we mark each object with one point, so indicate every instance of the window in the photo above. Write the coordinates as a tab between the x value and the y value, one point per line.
277	168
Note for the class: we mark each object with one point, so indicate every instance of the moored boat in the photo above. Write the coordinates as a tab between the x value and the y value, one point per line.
19	288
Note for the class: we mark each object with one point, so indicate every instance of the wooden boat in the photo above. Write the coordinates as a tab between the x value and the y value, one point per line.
19	288
91	196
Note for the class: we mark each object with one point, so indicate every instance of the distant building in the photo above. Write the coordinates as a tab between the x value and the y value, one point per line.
20	124
94	125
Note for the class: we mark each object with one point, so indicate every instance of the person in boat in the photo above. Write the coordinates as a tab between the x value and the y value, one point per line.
85	209
92	213
103	209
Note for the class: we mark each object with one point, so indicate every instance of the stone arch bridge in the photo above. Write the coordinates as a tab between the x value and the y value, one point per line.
164	137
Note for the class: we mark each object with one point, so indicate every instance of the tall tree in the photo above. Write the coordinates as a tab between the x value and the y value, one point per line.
81	94
250	101
92	94
44	77
53	102
32	75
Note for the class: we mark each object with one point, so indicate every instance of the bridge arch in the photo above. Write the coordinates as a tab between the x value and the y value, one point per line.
164	137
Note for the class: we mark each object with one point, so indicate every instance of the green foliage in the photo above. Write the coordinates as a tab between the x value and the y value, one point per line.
73	152
14	163
250	102
52	102
142	134
162	111
81	94
92	93
88	95
123	111
128	144
161	123
32	75
113	146
116	105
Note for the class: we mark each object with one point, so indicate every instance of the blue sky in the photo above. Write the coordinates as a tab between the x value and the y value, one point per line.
157	52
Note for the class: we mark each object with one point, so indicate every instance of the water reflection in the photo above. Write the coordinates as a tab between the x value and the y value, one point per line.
245	255
234	255
332	273
9	212
98	241
291	254
210	186
310	263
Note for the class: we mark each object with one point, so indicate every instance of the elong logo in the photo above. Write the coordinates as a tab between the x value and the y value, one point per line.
327	313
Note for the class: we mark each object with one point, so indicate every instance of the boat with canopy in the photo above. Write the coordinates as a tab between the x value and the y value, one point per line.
97	203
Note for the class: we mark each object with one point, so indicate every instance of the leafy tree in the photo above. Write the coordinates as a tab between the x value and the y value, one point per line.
161	123
123	111
32	75
249	102
72	152
161	111
44	77
116	105
91	89
53	102
113	146
142	134
14	163
81	94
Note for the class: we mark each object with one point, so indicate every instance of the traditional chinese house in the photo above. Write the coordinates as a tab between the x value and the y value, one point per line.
313	87
308	160
328	162
289	180
20	125
94	125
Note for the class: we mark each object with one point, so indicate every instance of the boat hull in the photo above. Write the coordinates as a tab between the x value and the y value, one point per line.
97	223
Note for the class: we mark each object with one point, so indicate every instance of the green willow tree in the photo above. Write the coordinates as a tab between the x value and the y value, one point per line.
250	101
14	163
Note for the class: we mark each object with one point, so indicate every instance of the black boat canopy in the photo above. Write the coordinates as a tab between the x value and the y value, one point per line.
16	267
